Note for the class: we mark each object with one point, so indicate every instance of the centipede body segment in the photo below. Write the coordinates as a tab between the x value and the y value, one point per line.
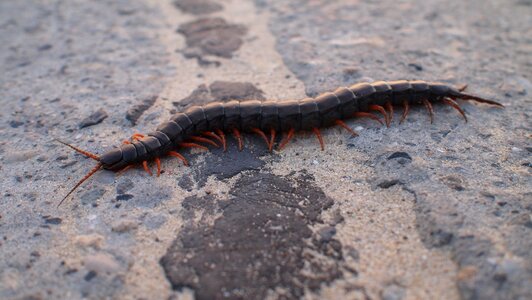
199	126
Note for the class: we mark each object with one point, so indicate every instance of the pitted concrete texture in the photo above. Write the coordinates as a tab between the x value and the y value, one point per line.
416	211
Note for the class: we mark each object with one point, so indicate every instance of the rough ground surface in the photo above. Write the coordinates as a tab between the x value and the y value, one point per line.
417	211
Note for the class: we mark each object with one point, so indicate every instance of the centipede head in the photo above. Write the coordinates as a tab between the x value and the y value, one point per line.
96	168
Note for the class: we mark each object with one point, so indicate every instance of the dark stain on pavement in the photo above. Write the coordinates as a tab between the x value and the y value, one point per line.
134	113
198	7
212	36
262	240
220	91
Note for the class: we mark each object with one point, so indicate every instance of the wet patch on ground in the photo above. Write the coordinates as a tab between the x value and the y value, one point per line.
212	36
198	7
220	91
134	113
263	241
227	164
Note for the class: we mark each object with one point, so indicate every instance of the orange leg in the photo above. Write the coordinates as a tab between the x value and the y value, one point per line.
367	115
272	139
382	111
158	163
455	105
261	134
137	136
193	145
204	140
145	166
318	135
222	137
213	135
237	135
341	123
389	108
120	172
406	109
429	108
181	157
286	139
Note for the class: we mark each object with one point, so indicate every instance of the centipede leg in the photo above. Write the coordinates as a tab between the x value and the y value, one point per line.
193	145
178	155
145	166
367	115
382	111
158	163
213	135
429	109
320	139
342	124
237	135
389	107
263	135
272	139
204	140
406	109
286	139
137	136
120	172
455	105
222	136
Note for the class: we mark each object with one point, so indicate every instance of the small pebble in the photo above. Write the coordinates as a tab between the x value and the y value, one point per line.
124	226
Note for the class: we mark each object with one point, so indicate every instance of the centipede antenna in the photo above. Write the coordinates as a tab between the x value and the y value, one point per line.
478	99
86	153
91	172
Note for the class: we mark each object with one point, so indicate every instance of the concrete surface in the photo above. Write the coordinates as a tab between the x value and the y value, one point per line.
417	211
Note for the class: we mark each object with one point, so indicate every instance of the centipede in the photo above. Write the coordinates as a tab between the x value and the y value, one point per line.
275	121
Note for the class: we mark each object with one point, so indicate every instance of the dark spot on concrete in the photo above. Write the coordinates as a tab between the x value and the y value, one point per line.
52	220
213	36
225	165
220	91
415	67
400	155
198	7
385	184
225	91
124	197
45	47
90	197
197	53
90	275
258	243
134	113
95	118
15	123
68	164
454	182
441	238
185	182
124	185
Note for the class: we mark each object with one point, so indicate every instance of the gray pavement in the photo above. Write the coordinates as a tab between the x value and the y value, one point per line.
416	211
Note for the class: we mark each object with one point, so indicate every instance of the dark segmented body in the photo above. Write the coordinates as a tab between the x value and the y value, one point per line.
304	114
